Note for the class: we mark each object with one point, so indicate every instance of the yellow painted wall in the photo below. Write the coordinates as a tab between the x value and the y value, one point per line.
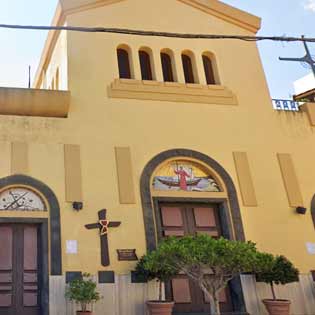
99	124
58	62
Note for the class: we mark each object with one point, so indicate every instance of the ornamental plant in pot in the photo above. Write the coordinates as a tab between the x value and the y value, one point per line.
280	271
152	267
210	263
83	292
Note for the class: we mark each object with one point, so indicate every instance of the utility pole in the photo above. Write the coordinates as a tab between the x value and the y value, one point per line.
306	59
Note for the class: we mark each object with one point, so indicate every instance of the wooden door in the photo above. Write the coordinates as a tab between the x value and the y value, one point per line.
179	220
19	270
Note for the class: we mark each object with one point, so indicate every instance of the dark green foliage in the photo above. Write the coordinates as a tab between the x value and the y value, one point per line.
152	266
83	291
279	271
211	263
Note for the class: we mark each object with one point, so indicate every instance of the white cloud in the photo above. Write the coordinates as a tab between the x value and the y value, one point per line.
310	5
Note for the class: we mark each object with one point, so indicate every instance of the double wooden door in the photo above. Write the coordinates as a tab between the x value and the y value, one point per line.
190	219
19	270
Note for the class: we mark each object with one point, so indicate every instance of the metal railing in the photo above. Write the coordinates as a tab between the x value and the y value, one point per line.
286	105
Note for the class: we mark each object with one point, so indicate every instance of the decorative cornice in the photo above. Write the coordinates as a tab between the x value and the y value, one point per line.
227	13
172	92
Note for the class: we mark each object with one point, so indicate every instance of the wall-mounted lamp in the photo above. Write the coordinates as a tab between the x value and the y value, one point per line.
77	205
301	210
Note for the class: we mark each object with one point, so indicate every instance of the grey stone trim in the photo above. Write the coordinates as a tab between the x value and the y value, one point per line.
148	211
135	278
73	275
106	277
55	237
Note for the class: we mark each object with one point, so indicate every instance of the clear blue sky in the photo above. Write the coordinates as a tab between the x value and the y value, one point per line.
280	17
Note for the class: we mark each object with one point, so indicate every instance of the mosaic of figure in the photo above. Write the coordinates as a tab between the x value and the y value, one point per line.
186	176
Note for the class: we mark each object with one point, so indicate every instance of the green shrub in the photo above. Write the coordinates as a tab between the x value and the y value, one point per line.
152	266
83	292
280	271
208	262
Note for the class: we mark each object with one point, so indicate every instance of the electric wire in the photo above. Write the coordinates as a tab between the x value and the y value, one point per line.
159	34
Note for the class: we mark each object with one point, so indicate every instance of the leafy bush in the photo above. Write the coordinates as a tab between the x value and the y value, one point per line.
280	271
209	262
152	266
83	292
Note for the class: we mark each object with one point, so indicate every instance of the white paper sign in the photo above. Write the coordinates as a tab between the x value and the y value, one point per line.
72	247
310	248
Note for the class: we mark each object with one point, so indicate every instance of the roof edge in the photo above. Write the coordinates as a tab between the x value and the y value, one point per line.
52	37
228	13
216	8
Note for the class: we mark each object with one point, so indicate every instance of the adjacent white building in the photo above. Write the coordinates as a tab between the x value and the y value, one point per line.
305	87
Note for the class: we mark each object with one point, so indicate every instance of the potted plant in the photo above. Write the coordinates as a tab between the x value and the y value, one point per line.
150	267
208	262
281	271
83	292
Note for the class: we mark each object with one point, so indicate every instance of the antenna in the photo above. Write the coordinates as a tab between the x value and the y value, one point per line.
307	59
29	77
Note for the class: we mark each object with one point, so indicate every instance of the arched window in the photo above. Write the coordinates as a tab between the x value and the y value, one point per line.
209	70
145	64
188	69
167	68
123	63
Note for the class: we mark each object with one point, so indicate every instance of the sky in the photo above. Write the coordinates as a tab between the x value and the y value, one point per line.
21	48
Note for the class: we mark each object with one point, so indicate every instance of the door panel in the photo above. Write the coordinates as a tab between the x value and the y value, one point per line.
189	219
181	290
30	288
6	266
19	267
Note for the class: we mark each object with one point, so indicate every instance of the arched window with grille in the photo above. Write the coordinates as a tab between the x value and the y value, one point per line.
123	63
145	65
188	68
167	67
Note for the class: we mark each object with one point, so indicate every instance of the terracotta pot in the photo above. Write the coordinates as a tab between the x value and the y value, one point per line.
84	313
160	307
277	307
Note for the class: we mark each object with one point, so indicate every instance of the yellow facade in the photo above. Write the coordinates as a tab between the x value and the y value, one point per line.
98	122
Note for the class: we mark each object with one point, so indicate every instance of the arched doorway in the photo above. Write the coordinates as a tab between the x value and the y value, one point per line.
186	192
29	218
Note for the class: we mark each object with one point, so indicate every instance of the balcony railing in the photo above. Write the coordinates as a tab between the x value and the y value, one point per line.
286	105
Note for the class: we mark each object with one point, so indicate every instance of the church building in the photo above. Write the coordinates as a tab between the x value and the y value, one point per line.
126	139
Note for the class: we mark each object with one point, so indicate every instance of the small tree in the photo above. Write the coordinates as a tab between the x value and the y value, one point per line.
83	292
152	266
209	262
280	271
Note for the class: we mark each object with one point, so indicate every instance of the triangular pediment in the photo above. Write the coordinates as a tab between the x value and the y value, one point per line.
213	7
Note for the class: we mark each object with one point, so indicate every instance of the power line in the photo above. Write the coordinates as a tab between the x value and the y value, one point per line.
159	34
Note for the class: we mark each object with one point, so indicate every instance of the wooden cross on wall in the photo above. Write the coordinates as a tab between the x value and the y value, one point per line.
103	226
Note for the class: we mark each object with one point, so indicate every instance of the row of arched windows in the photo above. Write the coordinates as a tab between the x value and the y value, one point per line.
168	65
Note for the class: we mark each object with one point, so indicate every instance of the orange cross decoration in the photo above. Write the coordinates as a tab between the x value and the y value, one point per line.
103	225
